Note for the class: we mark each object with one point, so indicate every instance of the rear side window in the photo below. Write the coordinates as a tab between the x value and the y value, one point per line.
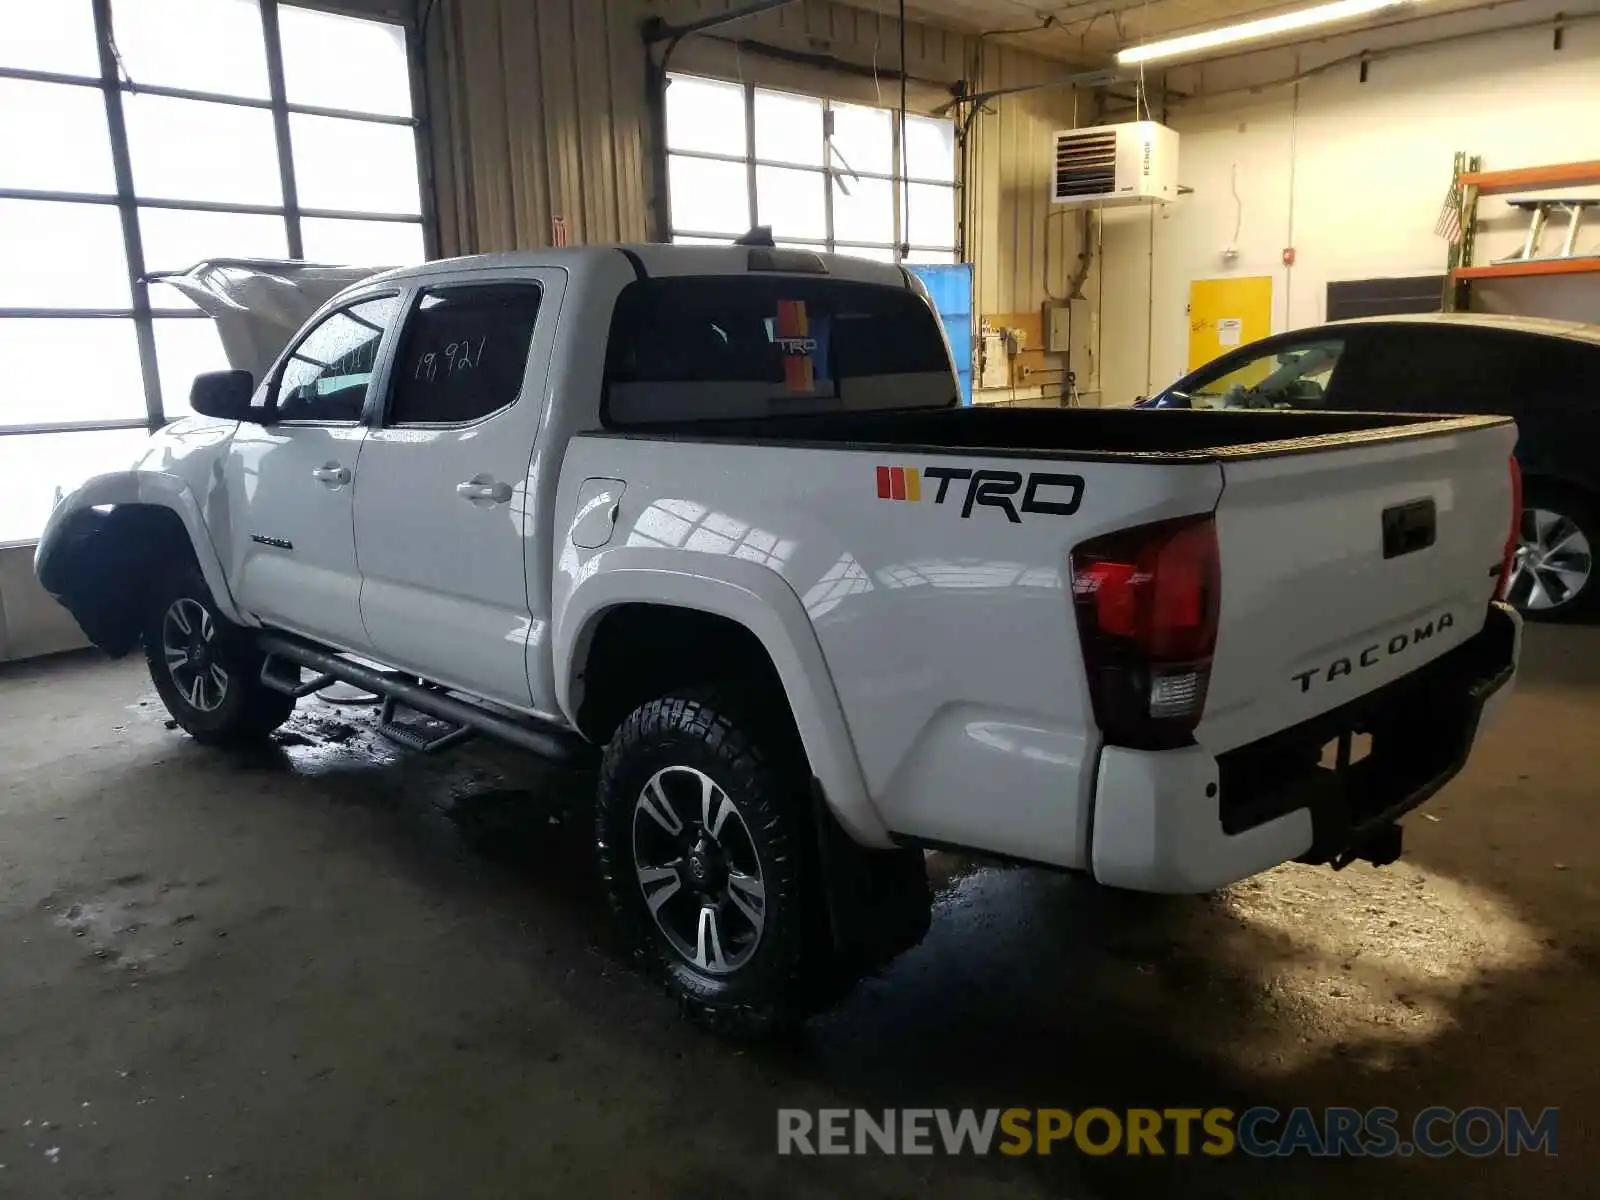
707	347
463	353
1470	369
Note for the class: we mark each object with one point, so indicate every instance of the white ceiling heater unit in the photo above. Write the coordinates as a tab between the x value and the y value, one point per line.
1133	163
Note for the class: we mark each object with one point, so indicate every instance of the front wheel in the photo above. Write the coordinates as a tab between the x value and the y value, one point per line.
205	669
702	840
1552	575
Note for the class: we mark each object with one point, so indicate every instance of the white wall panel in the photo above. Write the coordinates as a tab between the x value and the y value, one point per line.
1352	175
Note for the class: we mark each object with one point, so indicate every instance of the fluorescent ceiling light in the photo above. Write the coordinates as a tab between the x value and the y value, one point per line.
1244	31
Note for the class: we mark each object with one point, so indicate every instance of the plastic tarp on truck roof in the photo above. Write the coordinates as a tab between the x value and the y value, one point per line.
259	304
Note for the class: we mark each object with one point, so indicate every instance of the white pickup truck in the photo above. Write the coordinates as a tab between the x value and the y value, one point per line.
714	518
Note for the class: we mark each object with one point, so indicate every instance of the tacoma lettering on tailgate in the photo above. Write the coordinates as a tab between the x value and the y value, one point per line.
1374	654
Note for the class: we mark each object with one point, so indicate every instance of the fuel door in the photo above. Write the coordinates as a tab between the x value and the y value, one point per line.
599	503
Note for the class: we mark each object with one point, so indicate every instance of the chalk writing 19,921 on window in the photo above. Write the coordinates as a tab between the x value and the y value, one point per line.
456	357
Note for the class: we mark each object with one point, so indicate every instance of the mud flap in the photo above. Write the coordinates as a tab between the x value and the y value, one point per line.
879	904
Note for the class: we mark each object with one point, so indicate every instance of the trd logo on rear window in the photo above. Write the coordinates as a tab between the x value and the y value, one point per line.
1041	491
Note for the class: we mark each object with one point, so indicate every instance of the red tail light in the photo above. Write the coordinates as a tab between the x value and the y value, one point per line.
1146	601
1515	534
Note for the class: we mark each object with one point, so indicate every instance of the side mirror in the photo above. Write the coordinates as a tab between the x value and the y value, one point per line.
224	394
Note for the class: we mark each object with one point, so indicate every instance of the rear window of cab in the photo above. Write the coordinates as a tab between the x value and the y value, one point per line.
712	347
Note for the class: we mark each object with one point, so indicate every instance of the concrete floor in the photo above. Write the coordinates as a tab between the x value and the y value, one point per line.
340	971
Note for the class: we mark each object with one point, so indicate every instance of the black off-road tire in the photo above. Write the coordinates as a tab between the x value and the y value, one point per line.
756	764
242	711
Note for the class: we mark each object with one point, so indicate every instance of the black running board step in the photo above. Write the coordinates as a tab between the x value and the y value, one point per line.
284	677
412	738
555	743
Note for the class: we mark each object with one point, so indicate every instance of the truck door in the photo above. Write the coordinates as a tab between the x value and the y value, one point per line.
291	483
441	508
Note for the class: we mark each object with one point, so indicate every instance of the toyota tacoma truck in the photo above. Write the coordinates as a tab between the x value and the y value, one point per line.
714	520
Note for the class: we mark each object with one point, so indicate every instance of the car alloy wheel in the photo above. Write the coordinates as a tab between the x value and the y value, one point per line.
189	645
698	870
1552	563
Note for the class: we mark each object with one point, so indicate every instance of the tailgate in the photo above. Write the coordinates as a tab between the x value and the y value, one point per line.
1348	566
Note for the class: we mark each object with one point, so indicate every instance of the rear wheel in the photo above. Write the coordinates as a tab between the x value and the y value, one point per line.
702	836
1552	575
206	670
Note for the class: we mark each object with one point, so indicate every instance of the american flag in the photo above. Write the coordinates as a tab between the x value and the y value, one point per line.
1448	226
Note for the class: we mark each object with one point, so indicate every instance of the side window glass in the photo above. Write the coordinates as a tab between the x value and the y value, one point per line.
1469	368
325	376
1554	375
463	353
1289	377
1407	369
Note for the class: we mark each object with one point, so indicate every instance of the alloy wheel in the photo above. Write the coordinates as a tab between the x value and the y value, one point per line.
698	870
1552	563
188	643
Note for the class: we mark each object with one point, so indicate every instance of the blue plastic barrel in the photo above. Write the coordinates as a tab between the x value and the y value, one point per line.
950	285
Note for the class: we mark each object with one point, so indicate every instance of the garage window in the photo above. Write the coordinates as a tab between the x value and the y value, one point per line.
823	174
222	128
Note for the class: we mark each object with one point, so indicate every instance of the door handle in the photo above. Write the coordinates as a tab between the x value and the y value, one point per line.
332	474
481	489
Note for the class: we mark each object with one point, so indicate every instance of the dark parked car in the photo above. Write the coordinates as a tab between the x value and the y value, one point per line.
1546	374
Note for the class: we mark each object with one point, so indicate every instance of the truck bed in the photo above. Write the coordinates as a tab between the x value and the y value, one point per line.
1320	577
1114	434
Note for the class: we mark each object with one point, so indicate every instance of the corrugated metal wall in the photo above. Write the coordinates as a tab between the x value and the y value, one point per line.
537	110
541	109
1010	218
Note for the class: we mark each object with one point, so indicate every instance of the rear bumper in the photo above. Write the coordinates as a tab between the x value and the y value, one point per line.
1187	821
